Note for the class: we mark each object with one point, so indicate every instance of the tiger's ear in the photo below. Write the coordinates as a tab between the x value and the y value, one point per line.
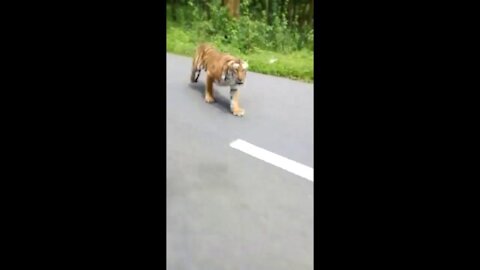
235	65
244	65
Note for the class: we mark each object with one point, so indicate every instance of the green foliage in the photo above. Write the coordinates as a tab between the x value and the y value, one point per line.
274	26
294	65
282	32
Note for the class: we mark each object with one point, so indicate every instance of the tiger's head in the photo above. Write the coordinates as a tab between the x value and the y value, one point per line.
238	71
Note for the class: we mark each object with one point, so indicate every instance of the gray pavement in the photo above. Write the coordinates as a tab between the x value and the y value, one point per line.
226	209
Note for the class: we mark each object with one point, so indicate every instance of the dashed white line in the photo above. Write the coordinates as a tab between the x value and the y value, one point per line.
274	159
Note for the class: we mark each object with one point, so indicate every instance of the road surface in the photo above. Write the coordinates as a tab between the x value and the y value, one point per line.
227	209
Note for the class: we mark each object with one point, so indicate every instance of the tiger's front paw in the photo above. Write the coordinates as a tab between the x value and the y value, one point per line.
238	112
209	99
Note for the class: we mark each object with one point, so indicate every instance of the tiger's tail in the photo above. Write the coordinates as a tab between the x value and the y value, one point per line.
197	63
199	60
195	70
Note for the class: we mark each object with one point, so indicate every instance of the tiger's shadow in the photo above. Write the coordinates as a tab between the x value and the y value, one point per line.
221	102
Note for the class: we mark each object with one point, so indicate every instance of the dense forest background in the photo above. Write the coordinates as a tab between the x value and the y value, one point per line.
276	34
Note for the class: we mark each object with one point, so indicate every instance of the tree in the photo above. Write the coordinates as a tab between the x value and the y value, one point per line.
174	9
233	7
310	14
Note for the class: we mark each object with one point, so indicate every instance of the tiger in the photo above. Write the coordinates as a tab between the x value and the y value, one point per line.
223	69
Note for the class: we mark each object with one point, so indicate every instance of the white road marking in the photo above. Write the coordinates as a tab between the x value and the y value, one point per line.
274	159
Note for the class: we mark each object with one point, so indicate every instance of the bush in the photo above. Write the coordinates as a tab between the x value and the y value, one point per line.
248	33
252	34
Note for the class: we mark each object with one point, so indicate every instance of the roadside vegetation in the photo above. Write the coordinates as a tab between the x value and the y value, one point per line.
275	37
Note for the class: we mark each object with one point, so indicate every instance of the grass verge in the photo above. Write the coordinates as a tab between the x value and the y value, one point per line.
297	65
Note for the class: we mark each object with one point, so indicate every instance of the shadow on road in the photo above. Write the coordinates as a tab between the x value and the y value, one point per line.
221	103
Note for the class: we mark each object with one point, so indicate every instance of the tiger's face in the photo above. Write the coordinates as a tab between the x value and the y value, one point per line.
239	71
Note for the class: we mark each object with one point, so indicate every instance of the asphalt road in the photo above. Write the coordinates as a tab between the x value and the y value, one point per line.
228	210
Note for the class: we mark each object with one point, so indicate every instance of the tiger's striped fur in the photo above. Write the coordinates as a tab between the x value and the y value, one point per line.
221	68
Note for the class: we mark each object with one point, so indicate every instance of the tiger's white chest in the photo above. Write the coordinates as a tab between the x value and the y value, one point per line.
226	80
